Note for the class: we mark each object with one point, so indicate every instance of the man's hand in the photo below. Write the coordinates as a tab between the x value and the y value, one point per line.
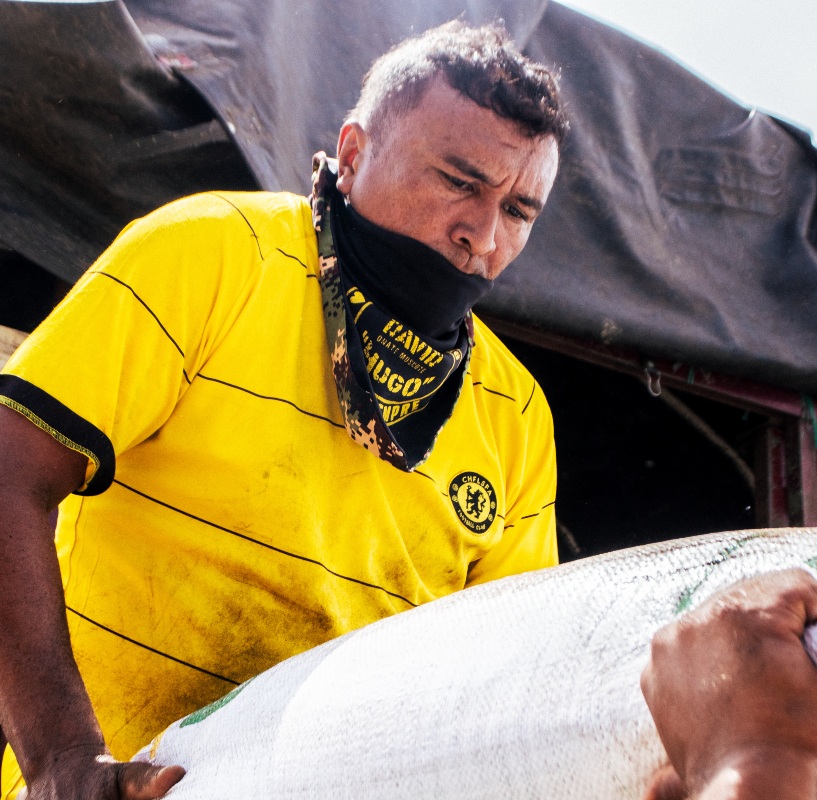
79	774
734	694
44	708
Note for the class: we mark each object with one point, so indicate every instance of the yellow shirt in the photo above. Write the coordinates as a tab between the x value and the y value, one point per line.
228	520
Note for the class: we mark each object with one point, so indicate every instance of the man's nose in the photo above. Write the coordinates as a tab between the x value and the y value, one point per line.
476	230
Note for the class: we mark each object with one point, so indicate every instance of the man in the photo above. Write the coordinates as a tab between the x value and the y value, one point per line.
734	694
241	492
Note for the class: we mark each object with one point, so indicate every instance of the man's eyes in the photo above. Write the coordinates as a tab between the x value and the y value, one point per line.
465	186
516	213
457	183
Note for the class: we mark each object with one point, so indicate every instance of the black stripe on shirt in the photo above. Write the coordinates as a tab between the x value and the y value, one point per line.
269	397
492	391
531	516
152	649
49	414
536	514
426	475
152	314
249	225
257	239
532	390
295	258
265	545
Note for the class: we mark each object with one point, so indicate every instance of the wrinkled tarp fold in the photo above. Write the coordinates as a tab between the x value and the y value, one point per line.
682	225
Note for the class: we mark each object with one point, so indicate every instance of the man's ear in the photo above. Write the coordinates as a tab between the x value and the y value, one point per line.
352	143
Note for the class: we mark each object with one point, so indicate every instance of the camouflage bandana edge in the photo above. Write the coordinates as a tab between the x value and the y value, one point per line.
361	415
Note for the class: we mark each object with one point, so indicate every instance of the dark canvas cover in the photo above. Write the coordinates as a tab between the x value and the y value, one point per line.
682	224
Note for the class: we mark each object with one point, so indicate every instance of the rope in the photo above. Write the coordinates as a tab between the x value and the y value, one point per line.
702	427
568	539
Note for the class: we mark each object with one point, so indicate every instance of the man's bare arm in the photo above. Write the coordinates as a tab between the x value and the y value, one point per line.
45	712
734	694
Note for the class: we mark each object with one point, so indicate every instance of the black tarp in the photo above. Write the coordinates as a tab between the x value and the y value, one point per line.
682	225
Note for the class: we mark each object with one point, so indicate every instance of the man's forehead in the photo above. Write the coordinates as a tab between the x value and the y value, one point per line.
448	114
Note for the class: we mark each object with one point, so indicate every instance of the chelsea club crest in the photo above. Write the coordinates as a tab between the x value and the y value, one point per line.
474	500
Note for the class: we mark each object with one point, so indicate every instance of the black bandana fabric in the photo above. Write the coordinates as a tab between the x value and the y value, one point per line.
404	369
408	279
360	405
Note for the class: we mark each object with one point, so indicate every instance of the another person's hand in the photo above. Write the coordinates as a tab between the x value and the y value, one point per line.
79	775
734	694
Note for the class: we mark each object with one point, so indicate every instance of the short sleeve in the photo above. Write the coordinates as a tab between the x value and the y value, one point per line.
529	536
107	367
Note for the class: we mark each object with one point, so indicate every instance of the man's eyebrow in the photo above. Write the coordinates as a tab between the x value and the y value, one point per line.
530	202
467	168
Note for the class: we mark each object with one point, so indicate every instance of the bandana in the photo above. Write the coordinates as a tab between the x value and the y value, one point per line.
406	278
404	370
371	348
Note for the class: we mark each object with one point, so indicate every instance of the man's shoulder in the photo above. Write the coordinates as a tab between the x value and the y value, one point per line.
262	209
491	357
499	373
219	222
210	243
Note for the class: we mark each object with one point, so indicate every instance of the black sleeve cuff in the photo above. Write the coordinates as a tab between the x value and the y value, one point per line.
65	426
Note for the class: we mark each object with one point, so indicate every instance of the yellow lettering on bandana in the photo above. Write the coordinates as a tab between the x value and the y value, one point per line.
404	368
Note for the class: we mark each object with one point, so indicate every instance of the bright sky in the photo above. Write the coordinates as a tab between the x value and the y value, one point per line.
761	52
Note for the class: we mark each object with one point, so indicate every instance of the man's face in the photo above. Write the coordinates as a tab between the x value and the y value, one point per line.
453	175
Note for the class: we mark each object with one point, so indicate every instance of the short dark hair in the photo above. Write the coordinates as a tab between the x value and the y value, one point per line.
481	63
